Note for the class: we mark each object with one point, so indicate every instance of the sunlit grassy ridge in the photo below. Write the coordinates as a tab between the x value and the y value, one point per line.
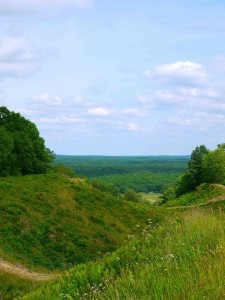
181	258
200	195
53	222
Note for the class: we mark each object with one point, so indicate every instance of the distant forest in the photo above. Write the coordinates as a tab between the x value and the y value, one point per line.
140	173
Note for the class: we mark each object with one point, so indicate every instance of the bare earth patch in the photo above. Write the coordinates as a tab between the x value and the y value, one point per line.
21	271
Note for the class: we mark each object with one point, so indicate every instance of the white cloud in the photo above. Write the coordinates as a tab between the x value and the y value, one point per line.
210	98
133	127
196	92
99	111
25	112
184	73
181	121
61	120
16	69
17	48
18	57
200	121
37	6
47	99
135	112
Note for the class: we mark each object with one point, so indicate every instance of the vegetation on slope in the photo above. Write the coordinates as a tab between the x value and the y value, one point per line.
204	166
203	193
183	258
54	222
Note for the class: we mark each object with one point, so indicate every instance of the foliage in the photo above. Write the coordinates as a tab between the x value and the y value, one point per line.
213	166
130	195
22	150
168	194
182	258
141	174
200	195
62	169
194	170
204	166
52	221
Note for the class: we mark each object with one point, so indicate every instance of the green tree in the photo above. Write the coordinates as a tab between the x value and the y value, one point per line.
213	166
168	194
24	151
6	146
62	169
184	184
131	195
194	170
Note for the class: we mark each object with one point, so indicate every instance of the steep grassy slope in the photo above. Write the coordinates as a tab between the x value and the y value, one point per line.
50	221
183	258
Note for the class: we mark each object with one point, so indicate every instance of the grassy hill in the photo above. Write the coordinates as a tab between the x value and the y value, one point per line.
113	249
50	222
182	258
53	222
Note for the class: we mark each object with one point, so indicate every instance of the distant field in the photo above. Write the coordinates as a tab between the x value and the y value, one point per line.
150	197
140	173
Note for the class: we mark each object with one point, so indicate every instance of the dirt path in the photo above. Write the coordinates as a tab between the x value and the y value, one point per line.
23	272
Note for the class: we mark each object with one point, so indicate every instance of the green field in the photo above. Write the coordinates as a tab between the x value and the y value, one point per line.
151	198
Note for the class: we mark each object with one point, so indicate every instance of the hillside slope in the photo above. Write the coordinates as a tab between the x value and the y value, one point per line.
202	195
50	221
183	258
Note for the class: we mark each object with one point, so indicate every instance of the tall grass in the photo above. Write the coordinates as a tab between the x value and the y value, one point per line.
12	286
184	258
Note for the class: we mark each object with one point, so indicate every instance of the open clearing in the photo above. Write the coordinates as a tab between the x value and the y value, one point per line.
150	197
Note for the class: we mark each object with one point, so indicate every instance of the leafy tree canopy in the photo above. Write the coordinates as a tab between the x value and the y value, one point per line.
22	150
130	195
194	170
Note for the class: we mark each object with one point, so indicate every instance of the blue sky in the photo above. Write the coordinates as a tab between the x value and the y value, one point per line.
116	77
